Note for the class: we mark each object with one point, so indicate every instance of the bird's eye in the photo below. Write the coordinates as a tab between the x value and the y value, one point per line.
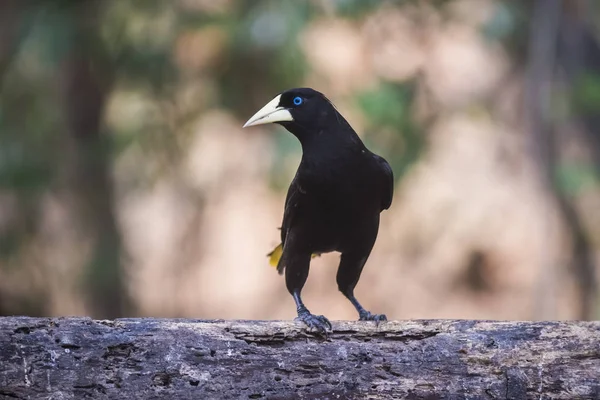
297	100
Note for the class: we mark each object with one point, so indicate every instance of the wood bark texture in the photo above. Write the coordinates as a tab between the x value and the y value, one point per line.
79	358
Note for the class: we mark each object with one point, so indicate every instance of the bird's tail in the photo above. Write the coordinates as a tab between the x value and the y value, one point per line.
275	258
275	255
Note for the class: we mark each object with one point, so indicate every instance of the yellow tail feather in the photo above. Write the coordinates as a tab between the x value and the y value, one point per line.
275	255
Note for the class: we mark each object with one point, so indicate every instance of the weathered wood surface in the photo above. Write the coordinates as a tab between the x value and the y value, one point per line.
76	358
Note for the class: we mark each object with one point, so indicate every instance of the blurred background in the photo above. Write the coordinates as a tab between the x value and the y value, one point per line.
128	188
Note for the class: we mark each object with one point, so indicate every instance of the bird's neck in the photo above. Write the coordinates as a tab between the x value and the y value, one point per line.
325	147
330	139
331	149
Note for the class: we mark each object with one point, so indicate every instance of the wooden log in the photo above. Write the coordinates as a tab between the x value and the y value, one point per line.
76	358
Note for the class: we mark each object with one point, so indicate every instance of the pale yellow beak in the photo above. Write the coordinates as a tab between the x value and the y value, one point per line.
270	113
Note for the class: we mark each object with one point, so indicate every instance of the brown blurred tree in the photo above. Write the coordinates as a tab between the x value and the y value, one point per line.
85	76
560	38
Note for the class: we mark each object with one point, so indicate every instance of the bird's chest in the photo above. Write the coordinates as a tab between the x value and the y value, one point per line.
336	196
330	214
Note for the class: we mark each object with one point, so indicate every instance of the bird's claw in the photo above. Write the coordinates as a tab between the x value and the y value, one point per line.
317	322
378	318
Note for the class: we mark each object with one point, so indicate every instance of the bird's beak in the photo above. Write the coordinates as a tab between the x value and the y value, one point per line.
270	113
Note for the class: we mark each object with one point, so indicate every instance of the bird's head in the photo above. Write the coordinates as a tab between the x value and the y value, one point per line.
301	111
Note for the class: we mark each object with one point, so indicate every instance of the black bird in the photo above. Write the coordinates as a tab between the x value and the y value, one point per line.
333	202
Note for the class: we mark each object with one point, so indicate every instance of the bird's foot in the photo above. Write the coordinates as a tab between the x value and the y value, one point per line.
367	316
317	322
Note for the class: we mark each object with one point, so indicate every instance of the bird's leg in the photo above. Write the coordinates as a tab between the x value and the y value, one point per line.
296	272
363	314
347	277
318	322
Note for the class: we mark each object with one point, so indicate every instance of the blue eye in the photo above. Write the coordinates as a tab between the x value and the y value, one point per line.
297	100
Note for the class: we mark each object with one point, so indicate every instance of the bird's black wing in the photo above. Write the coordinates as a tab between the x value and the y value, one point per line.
290	208
289	215
387	182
